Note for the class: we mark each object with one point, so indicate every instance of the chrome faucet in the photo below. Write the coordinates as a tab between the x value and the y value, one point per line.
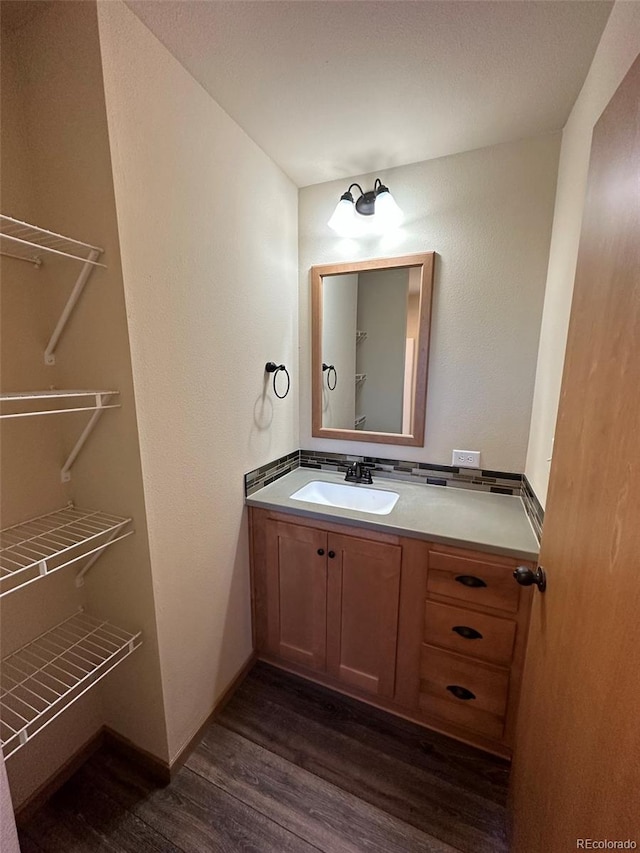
359	472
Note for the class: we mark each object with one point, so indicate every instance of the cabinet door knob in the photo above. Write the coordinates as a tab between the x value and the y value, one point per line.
460	692
332	554
467	633
526	577
321	552
470	580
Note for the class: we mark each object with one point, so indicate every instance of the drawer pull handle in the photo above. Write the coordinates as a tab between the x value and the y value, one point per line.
467	633
470	580
460	692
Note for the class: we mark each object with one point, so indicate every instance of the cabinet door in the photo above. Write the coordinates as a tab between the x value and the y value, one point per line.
297	593
362	612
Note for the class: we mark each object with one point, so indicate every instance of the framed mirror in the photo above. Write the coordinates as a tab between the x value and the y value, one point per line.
370	347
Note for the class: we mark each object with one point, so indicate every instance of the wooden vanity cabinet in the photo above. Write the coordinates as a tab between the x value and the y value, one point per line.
465	623
363	591
296	593
330	601
434	633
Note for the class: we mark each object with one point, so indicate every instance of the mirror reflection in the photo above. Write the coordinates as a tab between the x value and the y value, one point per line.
369	329
371	322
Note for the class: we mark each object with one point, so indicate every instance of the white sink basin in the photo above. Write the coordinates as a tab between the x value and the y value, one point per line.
360	498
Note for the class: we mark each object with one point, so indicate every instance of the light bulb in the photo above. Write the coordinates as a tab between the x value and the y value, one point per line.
388	215
343	220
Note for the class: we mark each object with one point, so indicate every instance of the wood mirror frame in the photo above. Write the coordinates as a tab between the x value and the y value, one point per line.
425	262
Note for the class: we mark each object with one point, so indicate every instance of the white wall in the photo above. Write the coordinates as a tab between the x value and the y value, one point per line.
618	48
487	213
339	315
8	834
211	291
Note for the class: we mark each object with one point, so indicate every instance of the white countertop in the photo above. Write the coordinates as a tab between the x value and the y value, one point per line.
471	519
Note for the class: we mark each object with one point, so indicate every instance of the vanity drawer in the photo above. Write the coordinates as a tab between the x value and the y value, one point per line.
479	698
477	581
469	633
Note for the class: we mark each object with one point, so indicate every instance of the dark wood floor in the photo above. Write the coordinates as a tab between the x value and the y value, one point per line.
288	767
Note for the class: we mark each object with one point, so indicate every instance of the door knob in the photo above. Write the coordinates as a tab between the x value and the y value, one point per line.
527	577
321	552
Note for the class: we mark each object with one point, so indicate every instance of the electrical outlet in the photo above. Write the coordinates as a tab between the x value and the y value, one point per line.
466	458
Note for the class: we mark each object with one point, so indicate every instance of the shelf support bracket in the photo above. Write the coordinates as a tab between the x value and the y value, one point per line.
76	293
36	260
114	537
101	404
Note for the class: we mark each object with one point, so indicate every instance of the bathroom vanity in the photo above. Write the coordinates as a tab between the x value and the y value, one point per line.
415	611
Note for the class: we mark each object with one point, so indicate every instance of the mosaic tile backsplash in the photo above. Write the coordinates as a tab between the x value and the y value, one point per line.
482	480
532	506
418	472
266	474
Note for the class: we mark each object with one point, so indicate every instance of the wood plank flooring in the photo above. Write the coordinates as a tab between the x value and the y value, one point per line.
288	767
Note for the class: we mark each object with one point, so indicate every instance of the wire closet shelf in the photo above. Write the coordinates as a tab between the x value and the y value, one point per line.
34	549
26	242
45	677
48	402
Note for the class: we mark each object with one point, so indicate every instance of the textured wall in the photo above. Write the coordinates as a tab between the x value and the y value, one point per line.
8	835
211	290
487	214
616	53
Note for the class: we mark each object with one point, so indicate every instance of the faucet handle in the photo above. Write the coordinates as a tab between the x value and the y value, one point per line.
365	472
353	471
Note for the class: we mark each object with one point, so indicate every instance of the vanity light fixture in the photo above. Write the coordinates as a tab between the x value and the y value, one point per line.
377	203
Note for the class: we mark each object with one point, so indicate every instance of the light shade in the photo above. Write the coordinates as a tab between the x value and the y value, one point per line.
388	215
343	220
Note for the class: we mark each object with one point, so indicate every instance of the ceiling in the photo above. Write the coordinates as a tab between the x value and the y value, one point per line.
331	89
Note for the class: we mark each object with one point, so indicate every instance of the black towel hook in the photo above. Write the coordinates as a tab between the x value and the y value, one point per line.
272	367
329	368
